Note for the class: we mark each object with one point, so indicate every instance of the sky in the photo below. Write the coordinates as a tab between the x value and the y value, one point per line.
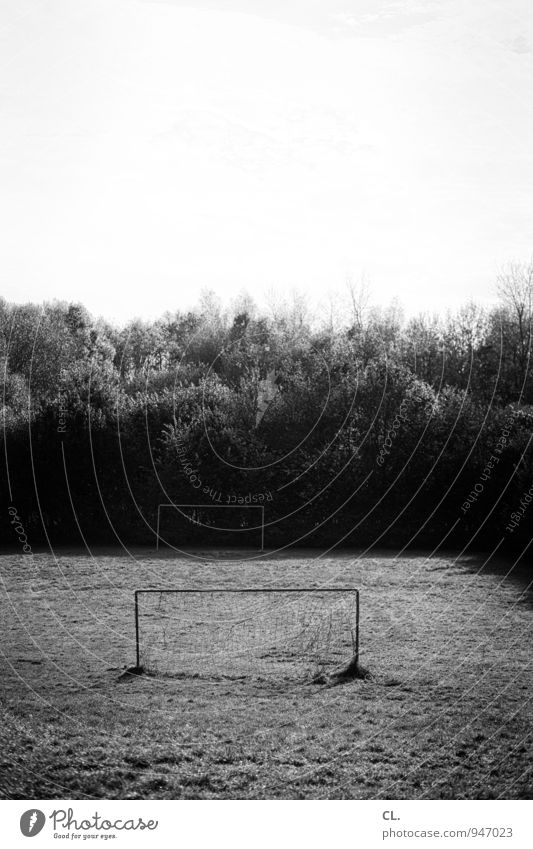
150	149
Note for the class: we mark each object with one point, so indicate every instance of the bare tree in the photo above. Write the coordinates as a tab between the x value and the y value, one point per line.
244	303
514	285
359	299
300	312
275	304
332	312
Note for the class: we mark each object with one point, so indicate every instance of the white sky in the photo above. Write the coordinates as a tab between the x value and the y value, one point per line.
149	149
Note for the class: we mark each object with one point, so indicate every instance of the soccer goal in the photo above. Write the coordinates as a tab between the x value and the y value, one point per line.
231	525
281	633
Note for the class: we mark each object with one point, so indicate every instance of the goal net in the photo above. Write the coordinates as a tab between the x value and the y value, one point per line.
250	633
211	525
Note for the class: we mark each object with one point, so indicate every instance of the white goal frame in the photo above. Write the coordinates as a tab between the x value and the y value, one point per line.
260	507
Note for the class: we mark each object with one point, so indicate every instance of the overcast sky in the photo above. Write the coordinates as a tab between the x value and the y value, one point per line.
150	149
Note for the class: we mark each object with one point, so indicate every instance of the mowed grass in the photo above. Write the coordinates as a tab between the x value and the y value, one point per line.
446	713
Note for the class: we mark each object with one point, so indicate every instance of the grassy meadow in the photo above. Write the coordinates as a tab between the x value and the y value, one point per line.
446	712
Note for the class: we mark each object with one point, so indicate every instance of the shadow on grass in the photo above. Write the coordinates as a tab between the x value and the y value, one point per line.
516	570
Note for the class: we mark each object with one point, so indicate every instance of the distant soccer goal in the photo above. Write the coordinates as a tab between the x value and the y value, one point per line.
219	634
230	525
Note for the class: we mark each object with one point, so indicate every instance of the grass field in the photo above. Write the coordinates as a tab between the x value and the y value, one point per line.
446	713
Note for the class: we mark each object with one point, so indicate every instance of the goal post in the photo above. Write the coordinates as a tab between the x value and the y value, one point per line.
201	515
227	633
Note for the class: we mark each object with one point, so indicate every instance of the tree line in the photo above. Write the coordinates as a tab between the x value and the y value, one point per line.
356	427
